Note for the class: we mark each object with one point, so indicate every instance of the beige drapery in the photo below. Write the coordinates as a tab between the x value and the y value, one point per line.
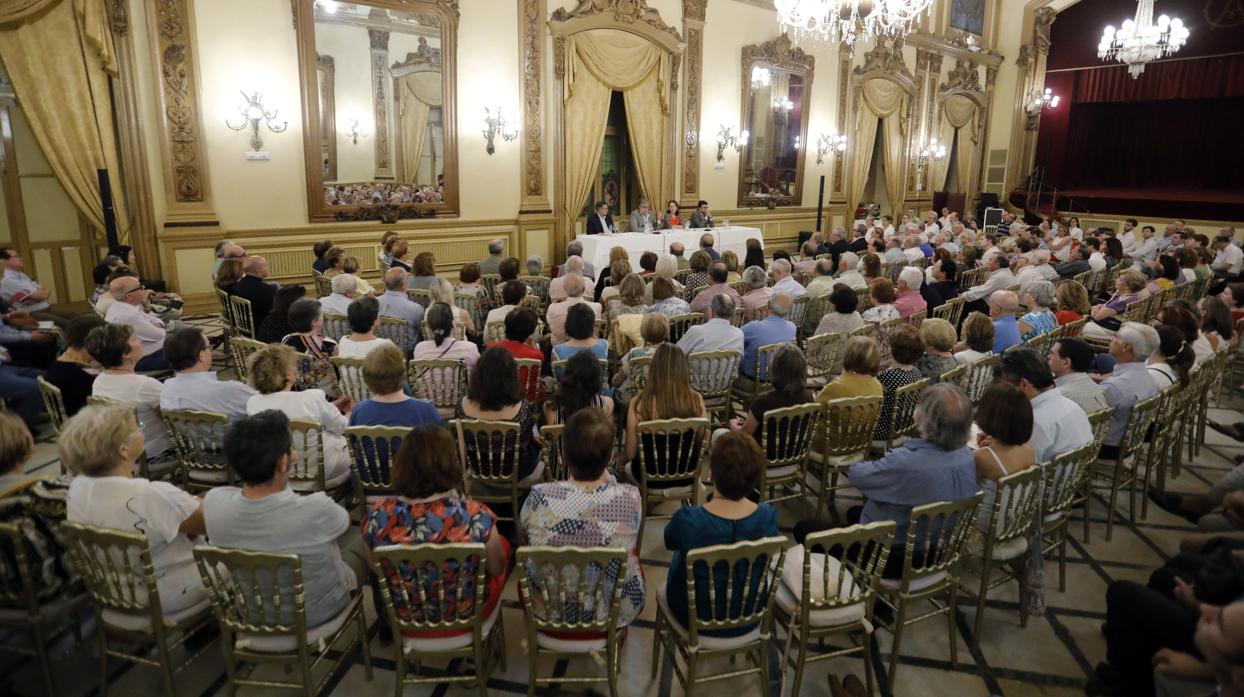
67	41
935	175
418	93
884	101
961	114
598	62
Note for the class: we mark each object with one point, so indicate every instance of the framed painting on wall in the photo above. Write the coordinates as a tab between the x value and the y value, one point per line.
968	16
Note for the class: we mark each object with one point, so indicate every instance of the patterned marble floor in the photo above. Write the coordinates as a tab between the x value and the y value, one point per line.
1053	656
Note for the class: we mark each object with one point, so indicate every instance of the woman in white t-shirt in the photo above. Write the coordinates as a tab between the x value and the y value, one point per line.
101	444
273	372
117	349
975	339
361	315
442	343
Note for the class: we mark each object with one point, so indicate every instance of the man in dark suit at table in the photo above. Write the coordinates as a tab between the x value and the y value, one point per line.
600	222
701	218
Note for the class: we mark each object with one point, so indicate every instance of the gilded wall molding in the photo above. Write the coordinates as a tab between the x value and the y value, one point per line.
183	138
693	14
964	77
885	60
531	64
846	54
622	11
779	52
380	100
118	17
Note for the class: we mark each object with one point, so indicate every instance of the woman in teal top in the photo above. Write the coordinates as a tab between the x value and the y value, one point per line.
737	464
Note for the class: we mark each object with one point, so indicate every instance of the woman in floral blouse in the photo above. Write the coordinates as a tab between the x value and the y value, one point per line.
882	310
429	510
592	509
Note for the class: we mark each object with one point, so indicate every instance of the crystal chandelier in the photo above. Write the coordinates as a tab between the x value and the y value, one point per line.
761	78
1141	41
843	20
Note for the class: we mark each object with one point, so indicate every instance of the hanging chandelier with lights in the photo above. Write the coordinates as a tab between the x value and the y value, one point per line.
844	20
1141	40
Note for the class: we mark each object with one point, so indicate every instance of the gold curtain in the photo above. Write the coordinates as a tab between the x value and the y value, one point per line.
961	114
883	100
600	61
418	94
72	121
935	175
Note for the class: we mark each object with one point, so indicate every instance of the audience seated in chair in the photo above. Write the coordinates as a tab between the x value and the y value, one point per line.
273	373
1129	381
275	326
442	343
384	372
975	338
716	333
906	347
129	296
667	395
592	508
773	329
655	331
306	319
396	304
362	340
1059	424
788	372
939	341
265	515
196	387
495	394
578	387
31	504
102	444
72	372
118	350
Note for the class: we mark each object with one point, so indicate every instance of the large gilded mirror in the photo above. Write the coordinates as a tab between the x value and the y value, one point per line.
777	80
378	101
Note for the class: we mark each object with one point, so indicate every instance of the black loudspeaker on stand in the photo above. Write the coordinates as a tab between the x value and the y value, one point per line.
110	215
805	235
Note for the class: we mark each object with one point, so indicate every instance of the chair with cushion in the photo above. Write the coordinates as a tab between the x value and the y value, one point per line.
570	598
258	601
846	434
349	374
28	606
679	324
734	620
243	316
979	376
241	349
198	439
372	449
54	402
1004	545
786	437
1112	476
116	569
441	381
932	554
421	596
823	353
1064	486
951	311
306	470
820	597
671	454
712	375
335	326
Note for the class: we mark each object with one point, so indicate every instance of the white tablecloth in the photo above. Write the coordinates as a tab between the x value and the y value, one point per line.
596	247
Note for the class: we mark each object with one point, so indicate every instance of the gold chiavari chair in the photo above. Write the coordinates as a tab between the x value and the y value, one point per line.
241	349
979	376
846	434
671	455
712	375
335	326
116	569
54	402
349	376
414	589
1065	477
827	590
554	464
372	449
198	439
243	316
441	381
259	602
786	436
757	560
307	472
679	324
1113	476
567	591
951	311
493	455
903	416
397	331
824	355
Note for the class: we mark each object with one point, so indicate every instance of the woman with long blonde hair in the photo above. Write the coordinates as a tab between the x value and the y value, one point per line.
667	394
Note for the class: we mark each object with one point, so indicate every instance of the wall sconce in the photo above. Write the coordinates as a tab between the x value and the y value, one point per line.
1046	100
783	104
931	150
494	126
726	139
830	143
253	112
357	131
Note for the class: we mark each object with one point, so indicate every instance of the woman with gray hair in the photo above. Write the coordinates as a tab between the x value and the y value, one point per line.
535	265
667	267
937	466
1039	296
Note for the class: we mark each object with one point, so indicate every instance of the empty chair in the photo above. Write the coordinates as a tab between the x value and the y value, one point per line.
1065	478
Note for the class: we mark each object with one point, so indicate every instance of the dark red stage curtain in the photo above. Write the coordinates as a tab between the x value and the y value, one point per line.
1201	78
1187	143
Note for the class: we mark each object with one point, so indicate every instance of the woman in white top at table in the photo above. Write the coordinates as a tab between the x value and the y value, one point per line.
101	444
1004	417
442	343
362	315
273	372
117	349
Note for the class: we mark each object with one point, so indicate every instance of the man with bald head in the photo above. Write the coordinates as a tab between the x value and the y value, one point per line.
677	249
1002	306
573	286
128	296
396	304
255	288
